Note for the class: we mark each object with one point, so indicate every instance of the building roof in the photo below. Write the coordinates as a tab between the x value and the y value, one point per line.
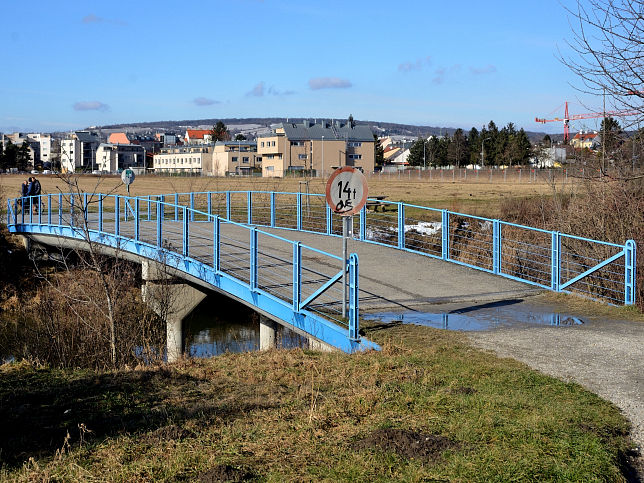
585	136
87	137
118	138
197	133
308	131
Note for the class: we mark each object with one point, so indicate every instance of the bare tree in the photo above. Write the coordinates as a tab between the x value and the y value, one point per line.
607	41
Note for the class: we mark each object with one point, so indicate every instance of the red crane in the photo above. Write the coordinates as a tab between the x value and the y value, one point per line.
589	115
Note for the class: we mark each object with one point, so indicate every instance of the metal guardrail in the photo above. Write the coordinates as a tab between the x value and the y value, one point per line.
288	272
547	259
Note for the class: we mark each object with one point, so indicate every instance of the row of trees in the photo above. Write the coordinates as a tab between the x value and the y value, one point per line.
490	146
14	156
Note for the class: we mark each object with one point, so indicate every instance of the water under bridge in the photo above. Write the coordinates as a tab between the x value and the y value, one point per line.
280	254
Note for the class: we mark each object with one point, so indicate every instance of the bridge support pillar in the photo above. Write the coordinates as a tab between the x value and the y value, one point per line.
267	333
171	301
318	345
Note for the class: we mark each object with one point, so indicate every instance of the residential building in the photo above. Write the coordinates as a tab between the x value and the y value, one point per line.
39	144
166	138
318	148
183	159
111	158
198	136
588	140
233	157
78	151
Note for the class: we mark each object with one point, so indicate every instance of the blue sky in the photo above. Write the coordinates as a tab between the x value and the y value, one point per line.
457	64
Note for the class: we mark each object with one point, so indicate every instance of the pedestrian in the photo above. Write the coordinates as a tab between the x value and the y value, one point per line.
36	191
24	190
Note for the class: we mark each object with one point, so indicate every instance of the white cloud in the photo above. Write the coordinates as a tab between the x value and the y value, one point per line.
204	101
329	83
257	91
90	106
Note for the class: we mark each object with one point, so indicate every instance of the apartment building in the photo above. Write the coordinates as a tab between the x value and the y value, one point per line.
110	158
318	148
234	157
198	136
183	159
39	145
78	151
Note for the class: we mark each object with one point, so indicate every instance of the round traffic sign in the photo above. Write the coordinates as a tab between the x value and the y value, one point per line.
346	191
127	176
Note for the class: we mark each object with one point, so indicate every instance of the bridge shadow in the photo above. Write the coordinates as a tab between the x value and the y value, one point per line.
43	411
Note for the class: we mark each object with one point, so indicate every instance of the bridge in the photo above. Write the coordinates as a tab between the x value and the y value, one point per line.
279	253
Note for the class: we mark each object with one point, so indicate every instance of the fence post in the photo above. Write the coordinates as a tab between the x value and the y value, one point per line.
363	222
159	221
329	220
250	207
299	212
555	260
215	243
192	206
136	218
228	207
100	213
496	246
71	209
209	201
354	319
401	225
186	233
272	202
253	259
297	275
60	209
176	207
117	215
445	234
49	210
630	252
149	209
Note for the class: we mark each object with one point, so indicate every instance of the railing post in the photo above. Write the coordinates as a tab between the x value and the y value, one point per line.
85	210
555	260
253	259
363	222
209	201
354	318
249	207
299	212
329	220
401	225
117	215
100	213
160	221
192	206
39	201
136	219
23	204
31	209
630	256
176	207
228	207
444	234
71	209
272	209
297	275
216	246
60	209
496	246
149	209
186	233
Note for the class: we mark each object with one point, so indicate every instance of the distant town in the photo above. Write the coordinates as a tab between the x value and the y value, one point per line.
282	147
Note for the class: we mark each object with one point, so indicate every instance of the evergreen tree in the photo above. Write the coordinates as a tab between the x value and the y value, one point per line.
379	154
416	153
474	140
23	157
220	132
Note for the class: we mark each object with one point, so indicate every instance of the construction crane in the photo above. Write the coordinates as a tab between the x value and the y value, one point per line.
589	115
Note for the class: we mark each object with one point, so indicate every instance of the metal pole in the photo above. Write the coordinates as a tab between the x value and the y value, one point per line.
345	235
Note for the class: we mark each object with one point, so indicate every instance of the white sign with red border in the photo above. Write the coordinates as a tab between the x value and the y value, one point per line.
346	191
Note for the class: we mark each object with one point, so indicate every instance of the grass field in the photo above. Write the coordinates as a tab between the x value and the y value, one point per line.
427	407
472	196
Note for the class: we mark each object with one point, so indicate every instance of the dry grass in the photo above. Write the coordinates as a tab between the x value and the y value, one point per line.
300	415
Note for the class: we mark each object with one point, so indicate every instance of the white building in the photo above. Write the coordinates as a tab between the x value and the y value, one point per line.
78	151
110	158
183	159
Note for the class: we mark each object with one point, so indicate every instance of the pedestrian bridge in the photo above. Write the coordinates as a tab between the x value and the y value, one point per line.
279	253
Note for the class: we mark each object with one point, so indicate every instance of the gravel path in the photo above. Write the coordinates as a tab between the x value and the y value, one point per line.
605	356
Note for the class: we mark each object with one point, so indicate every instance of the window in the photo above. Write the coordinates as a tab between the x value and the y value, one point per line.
270	168
355	156
354	144
302	156
245	159
234	159
262	143
297	143
272	143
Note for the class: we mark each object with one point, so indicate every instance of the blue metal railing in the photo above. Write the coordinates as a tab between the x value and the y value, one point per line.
287	272
547	259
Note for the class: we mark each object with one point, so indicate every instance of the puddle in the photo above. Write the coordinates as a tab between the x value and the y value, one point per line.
486	317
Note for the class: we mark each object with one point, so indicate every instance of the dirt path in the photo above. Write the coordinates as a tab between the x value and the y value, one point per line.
605	356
